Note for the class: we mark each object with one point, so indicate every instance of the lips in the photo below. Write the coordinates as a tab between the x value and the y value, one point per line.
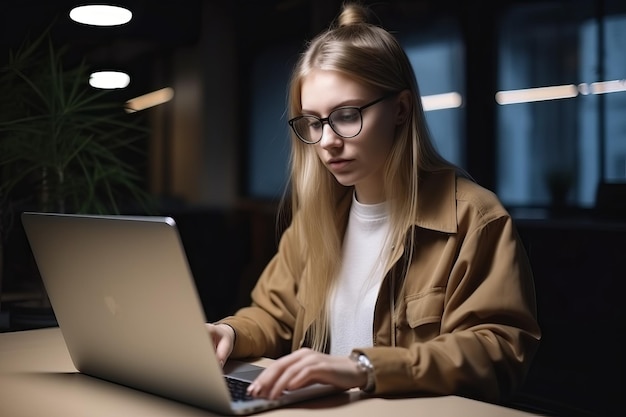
337	164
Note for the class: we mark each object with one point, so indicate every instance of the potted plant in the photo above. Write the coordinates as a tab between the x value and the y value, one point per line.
559	182
64	146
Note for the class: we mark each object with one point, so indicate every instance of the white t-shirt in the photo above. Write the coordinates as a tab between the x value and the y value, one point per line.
356	289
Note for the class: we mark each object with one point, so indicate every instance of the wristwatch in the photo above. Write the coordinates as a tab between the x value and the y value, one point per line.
363	363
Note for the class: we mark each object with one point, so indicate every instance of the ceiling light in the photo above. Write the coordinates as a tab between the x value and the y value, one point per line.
109	79
101	15
149	100
536	94
604	87
442	101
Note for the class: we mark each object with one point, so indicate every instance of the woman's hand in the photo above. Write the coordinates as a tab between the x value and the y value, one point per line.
305	367
223	337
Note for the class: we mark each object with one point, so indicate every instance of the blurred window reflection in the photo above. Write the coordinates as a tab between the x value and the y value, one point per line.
558	151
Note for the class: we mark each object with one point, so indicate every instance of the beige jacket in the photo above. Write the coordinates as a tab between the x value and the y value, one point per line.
465	323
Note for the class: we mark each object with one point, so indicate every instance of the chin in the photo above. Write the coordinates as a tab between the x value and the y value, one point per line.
346	182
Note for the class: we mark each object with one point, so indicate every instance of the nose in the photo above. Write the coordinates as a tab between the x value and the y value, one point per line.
330	139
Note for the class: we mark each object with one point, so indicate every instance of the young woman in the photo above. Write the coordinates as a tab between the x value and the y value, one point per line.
398	273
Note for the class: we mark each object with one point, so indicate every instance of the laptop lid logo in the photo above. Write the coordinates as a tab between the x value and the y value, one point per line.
112	305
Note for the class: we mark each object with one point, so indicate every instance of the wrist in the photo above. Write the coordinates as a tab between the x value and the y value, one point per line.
363	364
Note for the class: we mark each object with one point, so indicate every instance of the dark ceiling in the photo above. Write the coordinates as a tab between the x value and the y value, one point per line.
155	26
157	29
161	25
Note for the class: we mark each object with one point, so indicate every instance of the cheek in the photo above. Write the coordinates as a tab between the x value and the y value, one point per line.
381	136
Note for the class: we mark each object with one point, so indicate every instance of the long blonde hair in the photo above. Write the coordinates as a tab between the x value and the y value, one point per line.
372	56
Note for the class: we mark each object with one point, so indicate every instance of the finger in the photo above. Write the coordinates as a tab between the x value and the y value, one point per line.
281	384
301	372
224	348
261	386
288	372
222	351
221	342
338	371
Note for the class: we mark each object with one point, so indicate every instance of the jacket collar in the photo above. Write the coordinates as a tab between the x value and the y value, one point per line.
436	201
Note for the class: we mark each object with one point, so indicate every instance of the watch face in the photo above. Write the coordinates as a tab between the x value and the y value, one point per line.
363	363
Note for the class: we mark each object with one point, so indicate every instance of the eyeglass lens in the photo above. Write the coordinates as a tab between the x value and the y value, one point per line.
345	122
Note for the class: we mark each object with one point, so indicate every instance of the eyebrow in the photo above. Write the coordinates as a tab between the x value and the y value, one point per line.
346	103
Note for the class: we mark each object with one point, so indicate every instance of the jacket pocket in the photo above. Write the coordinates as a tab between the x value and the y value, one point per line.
425	308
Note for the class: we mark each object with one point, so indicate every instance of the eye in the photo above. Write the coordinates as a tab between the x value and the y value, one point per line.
313	123
344	116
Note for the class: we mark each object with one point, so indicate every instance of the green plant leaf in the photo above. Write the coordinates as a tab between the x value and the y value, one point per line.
64	145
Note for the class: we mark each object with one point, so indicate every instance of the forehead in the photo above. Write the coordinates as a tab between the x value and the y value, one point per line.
325	89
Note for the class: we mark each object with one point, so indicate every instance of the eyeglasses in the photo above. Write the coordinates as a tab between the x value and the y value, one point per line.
346	122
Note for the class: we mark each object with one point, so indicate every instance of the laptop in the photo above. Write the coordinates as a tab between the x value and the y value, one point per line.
126	303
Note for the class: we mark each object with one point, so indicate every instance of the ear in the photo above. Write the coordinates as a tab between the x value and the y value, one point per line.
404	106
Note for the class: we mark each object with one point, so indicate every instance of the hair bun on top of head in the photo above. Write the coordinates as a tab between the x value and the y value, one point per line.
352	14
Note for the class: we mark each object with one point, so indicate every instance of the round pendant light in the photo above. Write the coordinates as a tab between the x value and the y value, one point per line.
101	15
109	80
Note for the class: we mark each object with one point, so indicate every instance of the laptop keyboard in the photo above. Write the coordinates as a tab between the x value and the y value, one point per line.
237	389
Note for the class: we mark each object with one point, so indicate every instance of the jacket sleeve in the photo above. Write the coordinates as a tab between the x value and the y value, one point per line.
488	330
265	328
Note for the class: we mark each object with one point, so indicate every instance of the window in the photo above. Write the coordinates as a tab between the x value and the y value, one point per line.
438	64
557	136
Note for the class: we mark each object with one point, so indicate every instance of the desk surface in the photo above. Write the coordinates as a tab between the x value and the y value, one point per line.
37	378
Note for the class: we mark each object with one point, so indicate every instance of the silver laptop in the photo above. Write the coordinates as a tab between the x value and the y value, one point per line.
127	306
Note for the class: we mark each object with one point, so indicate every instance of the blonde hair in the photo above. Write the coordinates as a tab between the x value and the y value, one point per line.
373	57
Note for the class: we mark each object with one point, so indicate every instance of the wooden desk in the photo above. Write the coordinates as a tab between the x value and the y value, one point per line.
37	378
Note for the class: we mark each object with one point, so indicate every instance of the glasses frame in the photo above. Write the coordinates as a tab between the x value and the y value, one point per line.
326	120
